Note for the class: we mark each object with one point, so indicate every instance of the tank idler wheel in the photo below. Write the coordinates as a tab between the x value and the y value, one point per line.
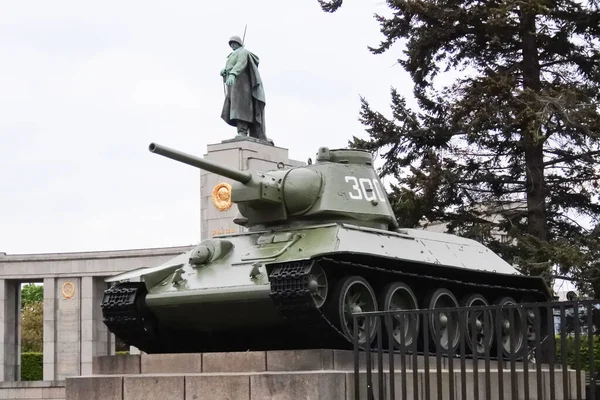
478	324
510	332
355	295
405	328
318	285
443	325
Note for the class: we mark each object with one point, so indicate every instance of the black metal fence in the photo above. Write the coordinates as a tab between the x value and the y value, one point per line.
518	351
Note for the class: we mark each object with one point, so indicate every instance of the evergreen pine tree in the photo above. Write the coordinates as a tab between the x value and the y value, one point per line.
518	132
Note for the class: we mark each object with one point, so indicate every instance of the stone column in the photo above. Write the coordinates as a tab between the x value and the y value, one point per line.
18	327
241	154
104	343
87	324
49	329
68	327
9	342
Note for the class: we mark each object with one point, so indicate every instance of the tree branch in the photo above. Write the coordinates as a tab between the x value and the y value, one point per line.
571	157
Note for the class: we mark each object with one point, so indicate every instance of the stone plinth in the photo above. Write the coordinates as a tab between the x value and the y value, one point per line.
280	361
301	374
330	384
116	364
241	154
46	390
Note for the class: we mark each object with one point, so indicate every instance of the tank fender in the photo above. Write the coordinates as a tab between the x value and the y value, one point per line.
142	274
154	277
127	276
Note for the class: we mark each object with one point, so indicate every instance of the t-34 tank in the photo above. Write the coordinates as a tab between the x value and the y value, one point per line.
321	242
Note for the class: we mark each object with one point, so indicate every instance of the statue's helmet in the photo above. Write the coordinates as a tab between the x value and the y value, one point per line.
235	39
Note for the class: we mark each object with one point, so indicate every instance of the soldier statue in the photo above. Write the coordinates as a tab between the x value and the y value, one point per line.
244	105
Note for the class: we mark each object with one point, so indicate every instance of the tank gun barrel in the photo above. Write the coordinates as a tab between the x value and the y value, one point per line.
236	175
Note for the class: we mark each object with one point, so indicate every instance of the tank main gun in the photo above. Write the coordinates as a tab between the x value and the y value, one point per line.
258	195
236	175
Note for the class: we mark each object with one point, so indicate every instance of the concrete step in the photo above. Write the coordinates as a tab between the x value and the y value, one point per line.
306	385
277	361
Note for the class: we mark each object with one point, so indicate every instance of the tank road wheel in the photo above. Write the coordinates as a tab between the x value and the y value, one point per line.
355	295
318	285
439	323
484	324
503	320
399	296
530	318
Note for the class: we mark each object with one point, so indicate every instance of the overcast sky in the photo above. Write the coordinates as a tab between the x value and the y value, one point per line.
85	87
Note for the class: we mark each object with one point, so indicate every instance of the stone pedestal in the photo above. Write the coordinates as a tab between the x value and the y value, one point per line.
242	154
306	374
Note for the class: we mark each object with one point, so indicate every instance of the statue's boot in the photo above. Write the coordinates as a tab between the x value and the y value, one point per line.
242	128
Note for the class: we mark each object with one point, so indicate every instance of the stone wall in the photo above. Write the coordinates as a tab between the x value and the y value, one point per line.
73	288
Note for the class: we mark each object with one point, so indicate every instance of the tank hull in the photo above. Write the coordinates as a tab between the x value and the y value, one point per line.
200	314
281	289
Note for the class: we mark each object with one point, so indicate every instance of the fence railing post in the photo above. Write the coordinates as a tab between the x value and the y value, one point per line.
521	334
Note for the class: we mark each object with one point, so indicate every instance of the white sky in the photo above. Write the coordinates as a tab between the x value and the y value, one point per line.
85	87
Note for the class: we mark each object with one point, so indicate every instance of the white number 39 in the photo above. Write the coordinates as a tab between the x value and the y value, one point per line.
364	189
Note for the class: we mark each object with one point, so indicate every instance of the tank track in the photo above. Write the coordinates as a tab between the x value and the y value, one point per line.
292	297
126	318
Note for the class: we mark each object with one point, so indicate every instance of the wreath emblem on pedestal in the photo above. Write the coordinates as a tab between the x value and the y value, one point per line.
68	290
221	196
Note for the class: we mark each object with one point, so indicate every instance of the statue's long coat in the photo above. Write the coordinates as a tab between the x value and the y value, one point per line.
245	99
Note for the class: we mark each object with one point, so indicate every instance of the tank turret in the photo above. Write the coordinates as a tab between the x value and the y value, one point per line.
341	186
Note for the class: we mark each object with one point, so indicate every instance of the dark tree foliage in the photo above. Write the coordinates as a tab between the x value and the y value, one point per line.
518	133
31	293
32	327
32	318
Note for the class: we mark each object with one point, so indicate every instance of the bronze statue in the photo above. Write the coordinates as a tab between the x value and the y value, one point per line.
244	105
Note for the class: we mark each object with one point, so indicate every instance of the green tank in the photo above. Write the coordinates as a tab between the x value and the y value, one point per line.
320	241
